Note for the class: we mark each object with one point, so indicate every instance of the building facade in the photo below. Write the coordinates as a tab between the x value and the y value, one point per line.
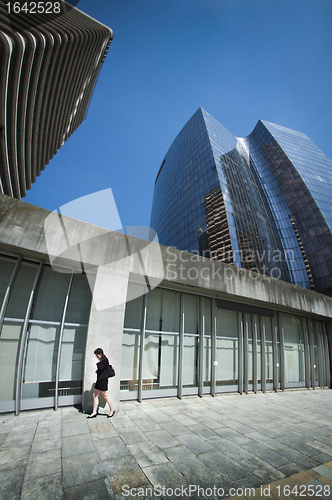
49	67
171	322
260	203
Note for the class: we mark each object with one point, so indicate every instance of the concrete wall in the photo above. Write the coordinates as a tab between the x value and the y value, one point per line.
110	259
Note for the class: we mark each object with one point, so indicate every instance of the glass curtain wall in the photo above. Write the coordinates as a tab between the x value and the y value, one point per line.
43	326
183	344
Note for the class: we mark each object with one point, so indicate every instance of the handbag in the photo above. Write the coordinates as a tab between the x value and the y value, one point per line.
111	372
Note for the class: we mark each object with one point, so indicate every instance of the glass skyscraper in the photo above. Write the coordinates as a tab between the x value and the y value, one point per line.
260	202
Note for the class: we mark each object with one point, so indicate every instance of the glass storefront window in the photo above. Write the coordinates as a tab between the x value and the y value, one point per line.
227	345
191	313
268	350
20	295
161	347
293	349
39	368
7	266
190	360
130	361
9	342
79	303
41	358
72	359
50	296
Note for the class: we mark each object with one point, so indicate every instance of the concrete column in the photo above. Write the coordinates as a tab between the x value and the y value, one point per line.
327	334
263	353
181	331
213	347
240	334
201	347
321	359
282	352
254	352
105	329
275	355
141	349
245	352
306	352
312	354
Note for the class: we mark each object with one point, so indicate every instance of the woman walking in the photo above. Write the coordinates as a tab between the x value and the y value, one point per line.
101	383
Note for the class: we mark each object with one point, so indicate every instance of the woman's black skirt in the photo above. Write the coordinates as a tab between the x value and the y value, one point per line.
102	385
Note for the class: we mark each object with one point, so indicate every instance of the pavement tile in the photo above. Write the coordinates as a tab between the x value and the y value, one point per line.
225	466
132	435
109	448
19	437
211	423
203	431
174	428
43	488
289	470
325	481
41	444
77	445
304	476
100	489
166	475
231	449
121	422
3	436
184	419
234	436
159	416
321	447
271	457
265	440
80	469
147	424
324	471
184	459
74	428
124	471
14	453
11	477
163	439
208	479
146	453
319	489
44	463
262	469
73	416
135	414
299	446
299	458
195	443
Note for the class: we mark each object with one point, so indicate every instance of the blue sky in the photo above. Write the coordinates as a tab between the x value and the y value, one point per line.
241	60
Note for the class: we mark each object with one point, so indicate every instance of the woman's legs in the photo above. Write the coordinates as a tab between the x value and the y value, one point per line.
109	401
95	402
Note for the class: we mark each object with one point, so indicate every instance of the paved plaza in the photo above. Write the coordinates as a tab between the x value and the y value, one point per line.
206	447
